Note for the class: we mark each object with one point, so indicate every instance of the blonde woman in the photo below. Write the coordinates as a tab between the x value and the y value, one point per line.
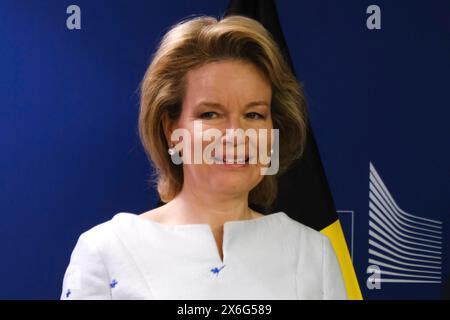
206	242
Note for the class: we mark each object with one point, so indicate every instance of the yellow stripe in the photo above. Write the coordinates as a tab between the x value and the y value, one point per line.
336	236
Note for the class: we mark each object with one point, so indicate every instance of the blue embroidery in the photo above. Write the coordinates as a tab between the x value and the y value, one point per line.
68	293
217	270
113	283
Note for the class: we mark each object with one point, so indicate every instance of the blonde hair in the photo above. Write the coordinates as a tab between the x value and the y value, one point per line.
195	42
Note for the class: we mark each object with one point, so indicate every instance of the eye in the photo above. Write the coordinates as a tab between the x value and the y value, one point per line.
254	115
209	115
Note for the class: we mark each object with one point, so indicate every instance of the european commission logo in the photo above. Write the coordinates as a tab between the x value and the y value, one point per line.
403	248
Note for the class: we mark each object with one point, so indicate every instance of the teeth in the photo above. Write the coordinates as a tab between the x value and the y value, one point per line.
230	161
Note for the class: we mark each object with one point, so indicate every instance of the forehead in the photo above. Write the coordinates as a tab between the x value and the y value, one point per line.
227	82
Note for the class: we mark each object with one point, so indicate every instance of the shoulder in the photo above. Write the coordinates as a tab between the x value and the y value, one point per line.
307	236
104	235
97	247
93	259
313	248
97	232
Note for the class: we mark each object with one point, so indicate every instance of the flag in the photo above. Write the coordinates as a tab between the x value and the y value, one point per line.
303	191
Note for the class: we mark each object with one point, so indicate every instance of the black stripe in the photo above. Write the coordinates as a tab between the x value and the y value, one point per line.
303	191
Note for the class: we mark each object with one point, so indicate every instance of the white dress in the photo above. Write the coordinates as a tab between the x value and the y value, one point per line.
268	258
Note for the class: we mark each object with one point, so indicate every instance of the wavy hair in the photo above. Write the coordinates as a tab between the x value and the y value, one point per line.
198	41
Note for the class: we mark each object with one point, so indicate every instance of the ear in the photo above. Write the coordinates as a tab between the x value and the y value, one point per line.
168	127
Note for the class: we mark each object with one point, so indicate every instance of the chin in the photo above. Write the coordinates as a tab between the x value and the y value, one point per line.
232	184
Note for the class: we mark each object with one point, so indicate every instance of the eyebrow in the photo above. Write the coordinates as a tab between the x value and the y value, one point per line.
218	105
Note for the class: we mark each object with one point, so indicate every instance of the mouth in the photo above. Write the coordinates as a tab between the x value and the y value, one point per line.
242	160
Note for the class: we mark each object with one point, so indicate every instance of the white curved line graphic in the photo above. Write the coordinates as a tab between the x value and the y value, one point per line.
399	238
375	196
390	266
377	177
381	239
393	233
388	251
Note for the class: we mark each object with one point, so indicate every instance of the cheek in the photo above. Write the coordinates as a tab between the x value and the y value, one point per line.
265	140
196	137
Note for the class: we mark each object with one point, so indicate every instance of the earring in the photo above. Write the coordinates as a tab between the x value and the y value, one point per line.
175	155
271	151
171	150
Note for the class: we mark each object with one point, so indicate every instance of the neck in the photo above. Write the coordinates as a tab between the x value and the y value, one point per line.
212	209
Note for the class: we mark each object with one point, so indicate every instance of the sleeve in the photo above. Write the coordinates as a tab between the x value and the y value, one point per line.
86	277
333	281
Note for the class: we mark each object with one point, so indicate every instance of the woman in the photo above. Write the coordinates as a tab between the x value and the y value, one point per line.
206	242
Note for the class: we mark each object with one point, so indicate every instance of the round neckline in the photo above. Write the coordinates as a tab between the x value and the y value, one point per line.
190	225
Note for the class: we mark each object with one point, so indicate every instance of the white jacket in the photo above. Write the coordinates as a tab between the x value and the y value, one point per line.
267	258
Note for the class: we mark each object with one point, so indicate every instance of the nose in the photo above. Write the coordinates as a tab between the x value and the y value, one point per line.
233	124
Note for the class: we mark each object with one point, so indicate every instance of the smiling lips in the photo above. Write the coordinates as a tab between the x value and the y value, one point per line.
239	161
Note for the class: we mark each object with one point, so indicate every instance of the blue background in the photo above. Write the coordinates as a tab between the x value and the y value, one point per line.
70	153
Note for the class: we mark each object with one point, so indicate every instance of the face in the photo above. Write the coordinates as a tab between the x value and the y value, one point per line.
225	95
